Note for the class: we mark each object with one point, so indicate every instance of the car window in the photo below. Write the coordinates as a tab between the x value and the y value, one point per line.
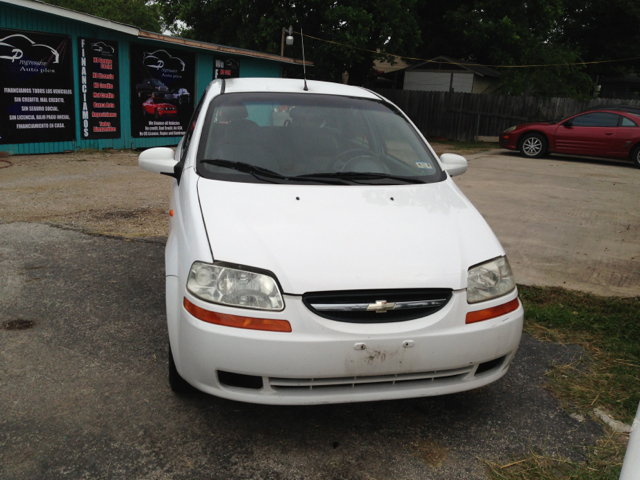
400	145
260	113
305	134
599	119
626	122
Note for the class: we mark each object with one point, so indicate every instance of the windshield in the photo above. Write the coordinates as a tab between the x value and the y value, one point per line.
306	138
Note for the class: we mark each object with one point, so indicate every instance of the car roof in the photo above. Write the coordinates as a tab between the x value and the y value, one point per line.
295	85
616	108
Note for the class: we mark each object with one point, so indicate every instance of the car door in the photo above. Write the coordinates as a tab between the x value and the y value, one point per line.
627	135
587	134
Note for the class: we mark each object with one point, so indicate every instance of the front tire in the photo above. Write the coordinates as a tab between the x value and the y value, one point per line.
533	145
177	383
635	156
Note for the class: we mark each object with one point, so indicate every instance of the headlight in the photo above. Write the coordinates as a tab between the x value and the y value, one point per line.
234	287
489	280
510	129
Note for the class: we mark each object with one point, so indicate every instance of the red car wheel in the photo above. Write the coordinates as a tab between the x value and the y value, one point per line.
533	145
635	156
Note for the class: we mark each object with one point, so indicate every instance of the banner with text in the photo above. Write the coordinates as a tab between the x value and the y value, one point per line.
226	68
36	88
99	88
162	91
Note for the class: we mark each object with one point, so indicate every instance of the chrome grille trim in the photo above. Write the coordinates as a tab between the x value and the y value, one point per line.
363	307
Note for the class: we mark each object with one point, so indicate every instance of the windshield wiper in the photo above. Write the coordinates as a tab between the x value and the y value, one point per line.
245	168
269	175
356	176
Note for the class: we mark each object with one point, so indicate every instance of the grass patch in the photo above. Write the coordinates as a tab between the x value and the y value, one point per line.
87	151
478	146
608	376
608	328
604	462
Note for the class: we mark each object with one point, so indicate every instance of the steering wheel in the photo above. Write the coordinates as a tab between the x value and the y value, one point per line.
343	158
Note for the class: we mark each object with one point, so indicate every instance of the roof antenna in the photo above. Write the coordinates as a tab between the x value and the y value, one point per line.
304	66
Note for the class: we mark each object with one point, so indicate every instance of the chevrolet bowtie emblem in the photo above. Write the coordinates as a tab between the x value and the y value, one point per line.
381	306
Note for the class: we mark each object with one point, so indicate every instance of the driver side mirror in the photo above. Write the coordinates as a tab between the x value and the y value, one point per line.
568	124
454	164
159	160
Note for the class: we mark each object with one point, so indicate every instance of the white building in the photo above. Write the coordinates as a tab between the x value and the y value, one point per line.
444	74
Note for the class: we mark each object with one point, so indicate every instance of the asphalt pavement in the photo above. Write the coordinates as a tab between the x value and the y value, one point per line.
84	391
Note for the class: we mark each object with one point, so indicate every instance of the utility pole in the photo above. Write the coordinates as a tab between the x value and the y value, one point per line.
287	32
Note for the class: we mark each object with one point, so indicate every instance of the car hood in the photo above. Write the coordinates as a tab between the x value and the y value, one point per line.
321	237
537	124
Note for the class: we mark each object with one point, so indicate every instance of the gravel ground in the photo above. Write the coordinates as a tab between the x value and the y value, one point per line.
85	392
96	192
91	191
570	222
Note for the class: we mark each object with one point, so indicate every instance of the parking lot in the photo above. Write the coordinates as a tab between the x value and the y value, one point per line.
564	221
83	390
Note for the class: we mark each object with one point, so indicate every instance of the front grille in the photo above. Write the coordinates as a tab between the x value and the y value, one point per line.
377	306
421	378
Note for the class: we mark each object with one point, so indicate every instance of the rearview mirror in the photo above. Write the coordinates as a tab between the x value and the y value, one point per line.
158	160
454	164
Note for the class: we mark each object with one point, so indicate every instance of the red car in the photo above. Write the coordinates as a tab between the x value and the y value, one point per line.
604	132
154	107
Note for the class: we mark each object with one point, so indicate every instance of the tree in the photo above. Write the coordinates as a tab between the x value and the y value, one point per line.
510	33
604	31
373	25
132	12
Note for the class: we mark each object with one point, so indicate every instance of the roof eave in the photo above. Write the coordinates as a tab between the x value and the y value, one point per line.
136	32
73	15
218	48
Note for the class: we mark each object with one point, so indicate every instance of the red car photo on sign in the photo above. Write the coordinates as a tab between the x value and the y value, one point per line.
162	85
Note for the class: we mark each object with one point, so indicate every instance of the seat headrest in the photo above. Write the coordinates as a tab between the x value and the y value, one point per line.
234	111
306	114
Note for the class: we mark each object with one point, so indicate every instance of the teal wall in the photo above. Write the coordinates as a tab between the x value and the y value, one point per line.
17	18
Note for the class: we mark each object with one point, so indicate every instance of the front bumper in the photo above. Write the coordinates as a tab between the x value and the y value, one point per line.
324	361
508	140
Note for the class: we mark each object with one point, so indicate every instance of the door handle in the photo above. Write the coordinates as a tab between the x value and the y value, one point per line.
608	133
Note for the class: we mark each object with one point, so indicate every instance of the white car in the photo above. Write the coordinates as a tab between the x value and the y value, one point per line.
332	259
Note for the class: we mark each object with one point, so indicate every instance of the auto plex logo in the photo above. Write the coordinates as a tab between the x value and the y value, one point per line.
38	66
153	60
103	49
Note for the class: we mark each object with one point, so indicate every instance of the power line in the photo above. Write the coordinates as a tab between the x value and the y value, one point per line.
465	64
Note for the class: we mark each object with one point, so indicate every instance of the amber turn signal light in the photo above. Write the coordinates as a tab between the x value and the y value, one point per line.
493	312
235	320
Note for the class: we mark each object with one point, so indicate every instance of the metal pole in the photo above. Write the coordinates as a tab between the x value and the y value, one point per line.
631	466
282	42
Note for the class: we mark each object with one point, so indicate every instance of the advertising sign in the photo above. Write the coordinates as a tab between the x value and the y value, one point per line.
36	88
162	91
226	68
99	88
